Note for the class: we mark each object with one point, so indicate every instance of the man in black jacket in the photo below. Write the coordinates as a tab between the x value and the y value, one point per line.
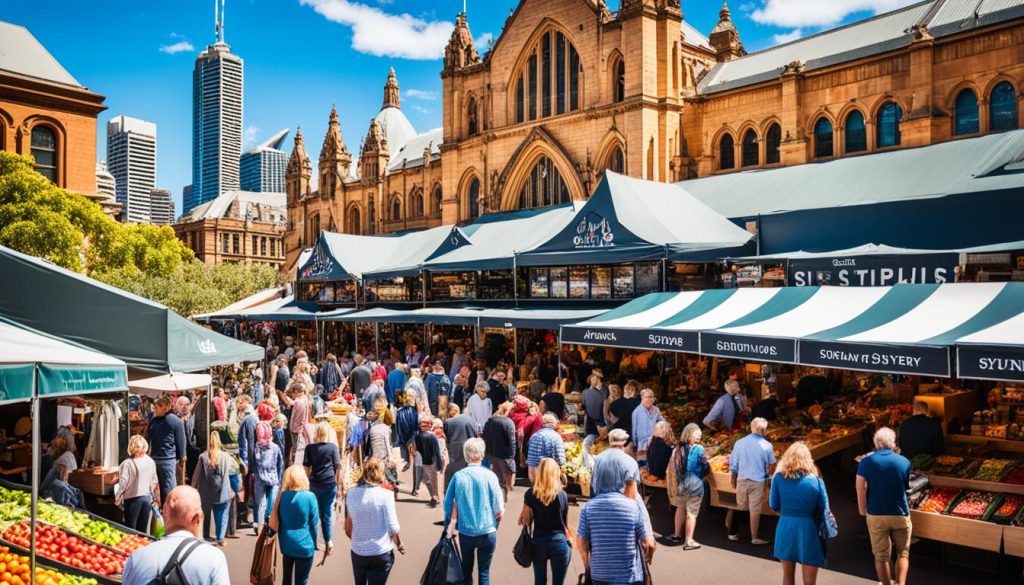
499	435
921	433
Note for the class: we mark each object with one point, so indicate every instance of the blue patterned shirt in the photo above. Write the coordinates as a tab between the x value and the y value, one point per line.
476	492
612	524
545	443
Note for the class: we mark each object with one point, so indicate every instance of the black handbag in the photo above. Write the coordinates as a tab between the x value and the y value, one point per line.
445	564
522	550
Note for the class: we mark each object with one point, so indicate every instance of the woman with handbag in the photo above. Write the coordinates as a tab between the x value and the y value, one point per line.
137	485
295	519
546	508
685	482
798	495
211	479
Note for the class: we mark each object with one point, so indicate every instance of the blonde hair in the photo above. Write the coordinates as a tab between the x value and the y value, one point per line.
137	446
373	470
279	421
664	430
689	432
548	482
213	451
797	462
322	434
614	391
295	479
504	409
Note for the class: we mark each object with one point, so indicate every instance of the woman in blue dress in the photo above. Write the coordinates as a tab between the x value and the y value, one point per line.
798	495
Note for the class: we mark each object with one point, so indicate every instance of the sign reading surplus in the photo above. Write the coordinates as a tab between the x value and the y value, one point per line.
881	270
932	361
637	338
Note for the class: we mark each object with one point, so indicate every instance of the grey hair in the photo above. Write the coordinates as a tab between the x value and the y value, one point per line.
885	438
758	426
482	386
646	392
473	450
549	419
732	386
618	437
689	431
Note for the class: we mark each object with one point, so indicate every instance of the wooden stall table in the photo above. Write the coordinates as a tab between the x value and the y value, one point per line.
723	495
960	531
1013	541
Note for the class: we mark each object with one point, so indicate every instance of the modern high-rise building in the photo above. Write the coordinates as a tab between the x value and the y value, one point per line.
131	158
216	121
263	166
161	207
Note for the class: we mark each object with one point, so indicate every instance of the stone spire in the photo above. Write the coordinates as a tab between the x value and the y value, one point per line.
298	163
334	144
391	99
335	159
460	52
375	141
725	39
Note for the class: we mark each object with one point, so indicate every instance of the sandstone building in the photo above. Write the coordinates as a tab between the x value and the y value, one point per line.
570	89
238	226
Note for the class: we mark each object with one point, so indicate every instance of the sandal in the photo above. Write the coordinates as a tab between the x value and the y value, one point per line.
692	545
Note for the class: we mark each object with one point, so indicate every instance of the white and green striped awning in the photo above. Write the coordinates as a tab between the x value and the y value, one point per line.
904	329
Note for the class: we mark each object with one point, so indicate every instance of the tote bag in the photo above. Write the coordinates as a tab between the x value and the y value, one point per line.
445	564
264	559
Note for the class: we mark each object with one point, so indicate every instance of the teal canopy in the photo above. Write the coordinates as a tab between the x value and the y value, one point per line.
145	335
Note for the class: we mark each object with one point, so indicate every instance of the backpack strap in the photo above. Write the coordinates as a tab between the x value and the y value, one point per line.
195	542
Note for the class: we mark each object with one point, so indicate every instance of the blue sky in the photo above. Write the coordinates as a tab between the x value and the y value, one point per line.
302	56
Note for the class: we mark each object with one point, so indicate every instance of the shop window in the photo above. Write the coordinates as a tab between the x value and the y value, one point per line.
856	134
726	153
888	132
579	282
474	199
543	187
750	155
648	278
601	282
622	282
823	138
773	141
965	115
1002	109
559	279
539	283
44	150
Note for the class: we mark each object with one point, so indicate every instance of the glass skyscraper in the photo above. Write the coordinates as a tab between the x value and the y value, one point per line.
131	159
263	167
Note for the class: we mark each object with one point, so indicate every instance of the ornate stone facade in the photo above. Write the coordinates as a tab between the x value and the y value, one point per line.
569	90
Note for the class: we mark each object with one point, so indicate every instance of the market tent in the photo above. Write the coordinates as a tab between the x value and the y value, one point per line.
434	316
521	318
496	239
157	385
146	335
953	194
256	299
340	256
906	328
283	309
535	318
995	353
628	219
412	264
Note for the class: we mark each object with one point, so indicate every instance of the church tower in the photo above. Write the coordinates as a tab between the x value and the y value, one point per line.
460	52
335	159
298	172
725	39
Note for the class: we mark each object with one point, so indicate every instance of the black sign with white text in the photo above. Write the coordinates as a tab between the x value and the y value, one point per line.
877	270
927	361
685	341
990	363
753	348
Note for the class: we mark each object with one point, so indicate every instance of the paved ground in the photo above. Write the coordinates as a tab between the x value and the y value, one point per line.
718	562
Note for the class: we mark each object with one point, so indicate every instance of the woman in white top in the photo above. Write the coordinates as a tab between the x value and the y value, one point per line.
479	406
372	525
137	484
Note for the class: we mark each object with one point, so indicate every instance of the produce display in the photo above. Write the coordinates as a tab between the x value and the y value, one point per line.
938	499
1010	507
14	570
922	461
56	544
1016	476
993	469
973	505
948	465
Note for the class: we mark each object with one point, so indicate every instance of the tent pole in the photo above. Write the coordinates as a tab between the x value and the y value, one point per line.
424	273
515	280
36	464
376	337
558	378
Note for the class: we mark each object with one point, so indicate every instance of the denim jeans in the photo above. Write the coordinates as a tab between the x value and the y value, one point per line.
325	506
372	570
166	476
137	512
219	513
300	568
264	500
550	547
483	547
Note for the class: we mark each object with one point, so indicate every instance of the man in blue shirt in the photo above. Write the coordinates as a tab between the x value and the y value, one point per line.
545	443
610	528
751	463
727	411
166	437
437	385
645	417
183	516
883	478
474	498
394	384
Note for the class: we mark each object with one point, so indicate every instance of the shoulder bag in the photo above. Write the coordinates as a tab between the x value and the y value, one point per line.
826	521
522	550
264	559
689	483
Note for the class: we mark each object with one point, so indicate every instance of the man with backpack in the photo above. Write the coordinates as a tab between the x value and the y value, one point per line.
181	557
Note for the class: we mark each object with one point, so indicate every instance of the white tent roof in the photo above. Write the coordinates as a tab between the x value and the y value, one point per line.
20	345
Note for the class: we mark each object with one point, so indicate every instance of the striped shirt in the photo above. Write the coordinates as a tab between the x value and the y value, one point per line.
374	519
545	443
612	524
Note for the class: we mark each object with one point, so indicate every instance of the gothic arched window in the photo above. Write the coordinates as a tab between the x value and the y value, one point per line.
750	154
354	221
965	115
727	153
856	139
474	198
1002	107
471	117
619	81
773	141
617	161
888	132
544	186
437	200
416	203
823	138
396	208
549	80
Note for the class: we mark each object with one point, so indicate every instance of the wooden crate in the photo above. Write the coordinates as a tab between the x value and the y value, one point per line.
723	495
961	531
99	483
974	484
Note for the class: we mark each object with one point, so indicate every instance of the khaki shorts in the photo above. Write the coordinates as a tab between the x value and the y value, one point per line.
887	533
750	494
692	505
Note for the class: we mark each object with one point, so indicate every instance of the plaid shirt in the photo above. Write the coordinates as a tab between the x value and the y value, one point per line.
545	443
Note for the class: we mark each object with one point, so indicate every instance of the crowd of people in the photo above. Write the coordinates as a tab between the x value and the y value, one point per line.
469	435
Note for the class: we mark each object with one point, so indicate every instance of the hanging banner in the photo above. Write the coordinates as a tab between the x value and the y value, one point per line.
873	270
65	380
685	341
746	347
889	359
985	362
17	382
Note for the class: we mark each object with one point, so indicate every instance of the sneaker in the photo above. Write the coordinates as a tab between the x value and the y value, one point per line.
759	542
734	537
432	504
414	493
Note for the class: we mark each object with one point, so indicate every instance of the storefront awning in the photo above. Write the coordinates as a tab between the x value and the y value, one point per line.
519	318
339	256
906	328
257	299
434	316
284	309
995	353
144	334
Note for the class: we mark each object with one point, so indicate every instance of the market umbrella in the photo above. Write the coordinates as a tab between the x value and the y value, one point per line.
169	383
34	365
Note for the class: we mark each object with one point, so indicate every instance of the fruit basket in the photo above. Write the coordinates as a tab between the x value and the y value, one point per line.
994	469
948	465
1007	510
68	550
938	500
975	505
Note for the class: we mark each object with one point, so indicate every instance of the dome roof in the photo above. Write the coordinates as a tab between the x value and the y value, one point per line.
396	128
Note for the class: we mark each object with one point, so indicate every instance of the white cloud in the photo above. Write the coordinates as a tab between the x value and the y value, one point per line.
483	41
782	38
816	13
251	134
178	47
420	109
381	34
421	94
